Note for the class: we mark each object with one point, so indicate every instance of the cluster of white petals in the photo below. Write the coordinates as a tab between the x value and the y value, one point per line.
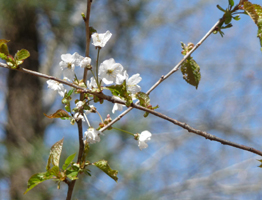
109	70
92	136
100	40
79	104
92	84
117	106
85	62
68	63
109	73
55	85
143	138
78	116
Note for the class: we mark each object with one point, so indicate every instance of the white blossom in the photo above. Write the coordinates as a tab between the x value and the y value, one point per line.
92	84
143	138
78	116
117	106
85	62
79	104
92	136
68	64
108	71
131	82
55	85
100	40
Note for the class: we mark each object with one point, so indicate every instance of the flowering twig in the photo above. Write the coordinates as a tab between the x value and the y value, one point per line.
134	105
167	75
79	123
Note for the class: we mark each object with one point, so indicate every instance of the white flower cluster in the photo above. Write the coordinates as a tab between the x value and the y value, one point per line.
109	73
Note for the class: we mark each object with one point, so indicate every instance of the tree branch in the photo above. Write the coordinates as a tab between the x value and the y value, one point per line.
79	123
168	74
134	105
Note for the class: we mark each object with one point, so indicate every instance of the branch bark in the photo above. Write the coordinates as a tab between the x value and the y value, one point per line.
134	105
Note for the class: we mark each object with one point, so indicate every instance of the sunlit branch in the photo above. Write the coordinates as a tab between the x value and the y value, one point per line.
168	74
134	105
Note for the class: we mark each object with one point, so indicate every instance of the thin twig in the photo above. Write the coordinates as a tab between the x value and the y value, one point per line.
79	123
134	105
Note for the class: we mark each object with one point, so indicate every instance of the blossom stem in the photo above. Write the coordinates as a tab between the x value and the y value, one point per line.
123	131
97	82
100	116
87	120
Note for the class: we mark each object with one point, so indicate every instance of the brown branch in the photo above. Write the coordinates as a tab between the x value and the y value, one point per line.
168	74
135	105
79	123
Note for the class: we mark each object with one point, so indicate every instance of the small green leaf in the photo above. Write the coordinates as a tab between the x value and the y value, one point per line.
36	179
220	8
69	93
118	90
55	154
146	114
237	18
4	49
68	107
54	171
143	98
228	17
92	30
231	3
121	92
3	56
191	72
103	165
58	114
68	161
72	174
22	54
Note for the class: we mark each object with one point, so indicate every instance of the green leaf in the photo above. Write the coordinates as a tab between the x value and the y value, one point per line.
69	93
72	174
3	56
54	171
103	165
58	114
36	179
55	154
22	55
231	3
237	18
191	72
118	90
228	17
68	107
255	12
4	47
143	98
68	161
220	8
92	30
121	91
